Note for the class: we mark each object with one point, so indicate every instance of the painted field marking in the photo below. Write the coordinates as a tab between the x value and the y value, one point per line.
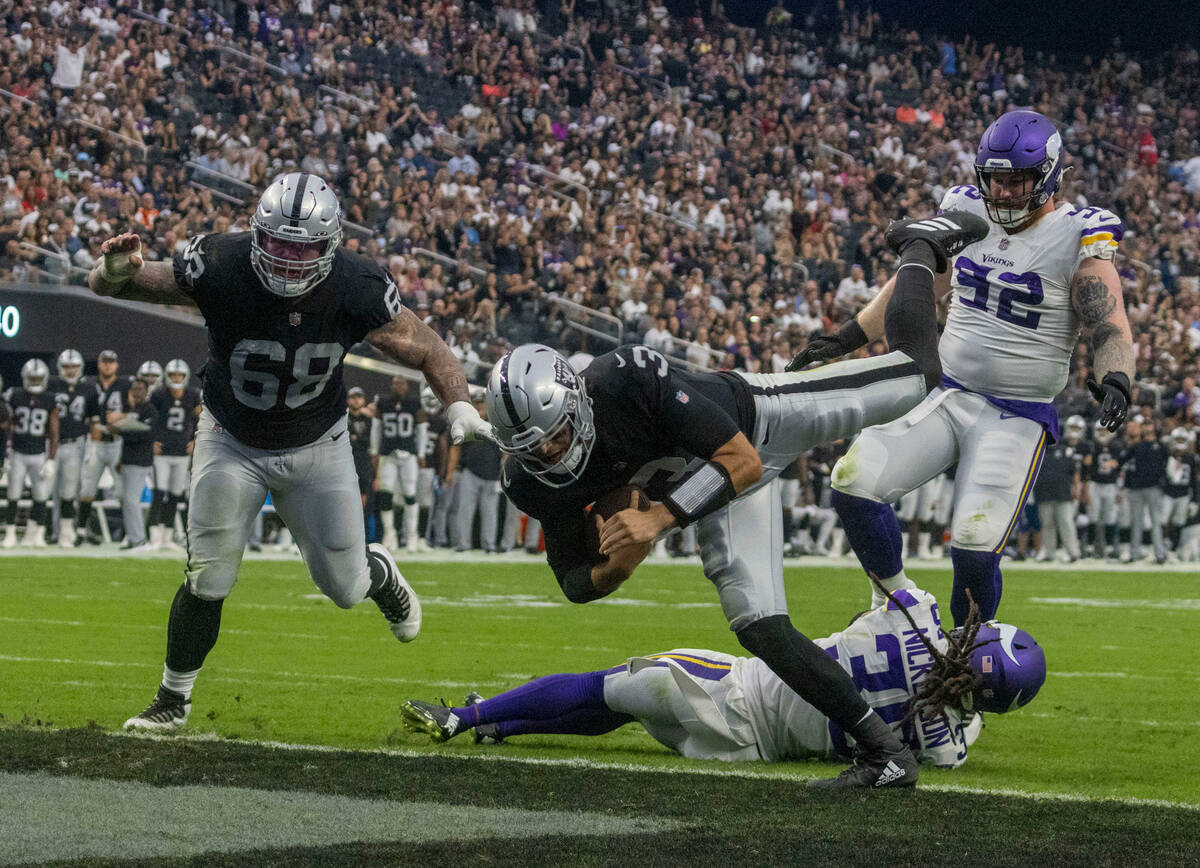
52	817
1182	605
747	771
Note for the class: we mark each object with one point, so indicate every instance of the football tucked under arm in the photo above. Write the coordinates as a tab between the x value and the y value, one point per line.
599	575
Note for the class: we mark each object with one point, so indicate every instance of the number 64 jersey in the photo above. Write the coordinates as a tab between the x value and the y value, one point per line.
273	377
1011	327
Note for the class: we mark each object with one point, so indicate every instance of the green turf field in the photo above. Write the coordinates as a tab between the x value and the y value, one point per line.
1106	755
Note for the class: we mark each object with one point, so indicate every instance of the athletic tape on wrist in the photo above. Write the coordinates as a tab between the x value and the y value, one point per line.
708	489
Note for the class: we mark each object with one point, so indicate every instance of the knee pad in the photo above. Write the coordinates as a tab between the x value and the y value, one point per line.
410	501
857	472
385	500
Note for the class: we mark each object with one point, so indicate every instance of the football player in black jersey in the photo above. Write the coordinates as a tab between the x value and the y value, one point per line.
71	396
177	403
708	448
34	448
402	435
360	422
282	303
105	394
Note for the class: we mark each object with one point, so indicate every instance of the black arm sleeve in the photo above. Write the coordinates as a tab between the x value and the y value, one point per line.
568	556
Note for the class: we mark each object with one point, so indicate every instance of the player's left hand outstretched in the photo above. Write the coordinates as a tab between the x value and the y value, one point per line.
634	526
467	424
821	348
1113	396
122	258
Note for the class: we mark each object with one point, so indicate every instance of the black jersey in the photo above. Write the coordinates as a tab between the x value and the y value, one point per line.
1180	477
359	425
31	415
137	447
397	423
273	377
655	426
102	400
437	444
176	422
72	404
1105	465
5	418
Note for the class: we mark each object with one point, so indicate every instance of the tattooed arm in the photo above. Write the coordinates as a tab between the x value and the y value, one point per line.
124	273
1097	299
410	342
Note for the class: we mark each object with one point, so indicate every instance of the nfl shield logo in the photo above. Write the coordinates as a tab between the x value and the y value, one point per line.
294	318
987	664
1004	244
681	396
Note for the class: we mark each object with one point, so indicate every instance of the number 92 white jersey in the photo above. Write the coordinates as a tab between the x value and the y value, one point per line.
1011	327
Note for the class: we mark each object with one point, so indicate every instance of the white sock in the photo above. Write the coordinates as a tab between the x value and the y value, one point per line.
893	584
180	682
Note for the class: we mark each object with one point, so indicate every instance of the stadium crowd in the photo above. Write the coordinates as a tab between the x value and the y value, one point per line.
602	171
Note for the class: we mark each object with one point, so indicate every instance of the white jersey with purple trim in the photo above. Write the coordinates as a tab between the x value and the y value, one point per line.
887	660
1012	328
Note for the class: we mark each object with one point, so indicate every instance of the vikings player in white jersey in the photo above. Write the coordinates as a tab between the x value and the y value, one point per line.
1023	294
709	705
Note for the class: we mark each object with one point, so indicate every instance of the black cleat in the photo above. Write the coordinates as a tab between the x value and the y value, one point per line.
396	599
947	233
485	733
873	770
167	713
438	721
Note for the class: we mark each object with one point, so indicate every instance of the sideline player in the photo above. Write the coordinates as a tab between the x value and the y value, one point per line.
402	433
709	447
34	448
178	405
282	303
1022	294
106	394
709	705
71	396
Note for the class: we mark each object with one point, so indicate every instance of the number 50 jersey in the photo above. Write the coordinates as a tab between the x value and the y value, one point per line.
1012	328
273	377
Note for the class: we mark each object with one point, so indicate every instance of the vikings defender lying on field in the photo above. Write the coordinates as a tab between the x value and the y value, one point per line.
709	705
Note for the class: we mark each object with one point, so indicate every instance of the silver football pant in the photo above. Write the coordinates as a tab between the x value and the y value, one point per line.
474	493
171	473
102	455
24	468
133	482
315	492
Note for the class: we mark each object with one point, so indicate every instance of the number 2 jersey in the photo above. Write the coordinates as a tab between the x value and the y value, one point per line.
176	418
1012	327
888	662
273	377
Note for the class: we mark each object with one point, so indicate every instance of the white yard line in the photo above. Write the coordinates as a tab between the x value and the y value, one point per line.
748	771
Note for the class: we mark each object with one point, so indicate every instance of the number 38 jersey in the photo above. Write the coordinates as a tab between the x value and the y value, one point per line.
273	377
30	419
1012	328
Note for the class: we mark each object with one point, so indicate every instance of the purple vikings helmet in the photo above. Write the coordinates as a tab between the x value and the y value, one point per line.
1011	666
1019	142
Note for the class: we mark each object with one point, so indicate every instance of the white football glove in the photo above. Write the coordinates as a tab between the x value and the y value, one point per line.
467	424
46	474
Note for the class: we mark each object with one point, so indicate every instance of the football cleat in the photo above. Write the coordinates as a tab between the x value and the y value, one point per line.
10	537
947	233
66	535
485	733
167	713
396	599
439	722
872	770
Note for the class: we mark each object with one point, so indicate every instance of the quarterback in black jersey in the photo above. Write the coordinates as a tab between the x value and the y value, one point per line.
708	448
282	304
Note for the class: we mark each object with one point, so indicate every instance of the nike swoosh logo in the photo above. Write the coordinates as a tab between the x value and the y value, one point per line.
337	435
620	362
1011	416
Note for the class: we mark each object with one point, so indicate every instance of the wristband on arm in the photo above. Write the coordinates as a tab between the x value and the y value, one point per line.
709	489
851	335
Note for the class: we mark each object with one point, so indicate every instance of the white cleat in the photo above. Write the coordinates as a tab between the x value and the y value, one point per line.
36	536
10	537
66	534
167	713
396	599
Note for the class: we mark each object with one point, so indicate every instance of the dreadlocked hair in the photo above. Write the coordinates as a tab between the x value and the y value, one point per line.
950	681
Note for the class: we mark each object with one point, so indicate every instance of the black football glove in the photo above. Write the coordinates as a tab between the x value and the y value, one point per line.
1113	395
822	348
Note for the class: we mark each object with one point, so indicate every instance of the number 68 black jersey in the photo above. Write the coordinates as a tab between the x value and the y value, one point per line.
273	377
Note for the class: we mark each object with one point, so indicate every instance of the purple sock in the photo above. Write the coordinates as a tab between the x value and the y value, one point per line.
541	699
584	721
873	531
979	571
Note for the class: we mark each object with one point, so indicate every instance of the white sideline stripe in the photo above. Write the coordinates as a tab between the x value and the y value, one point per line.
747	772
1092	603
231	631
1119	674
1122	721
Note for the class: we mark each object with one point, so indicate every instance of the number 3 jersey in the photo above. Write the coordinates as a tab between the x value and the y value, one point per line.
1011	327
273	377
888	662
